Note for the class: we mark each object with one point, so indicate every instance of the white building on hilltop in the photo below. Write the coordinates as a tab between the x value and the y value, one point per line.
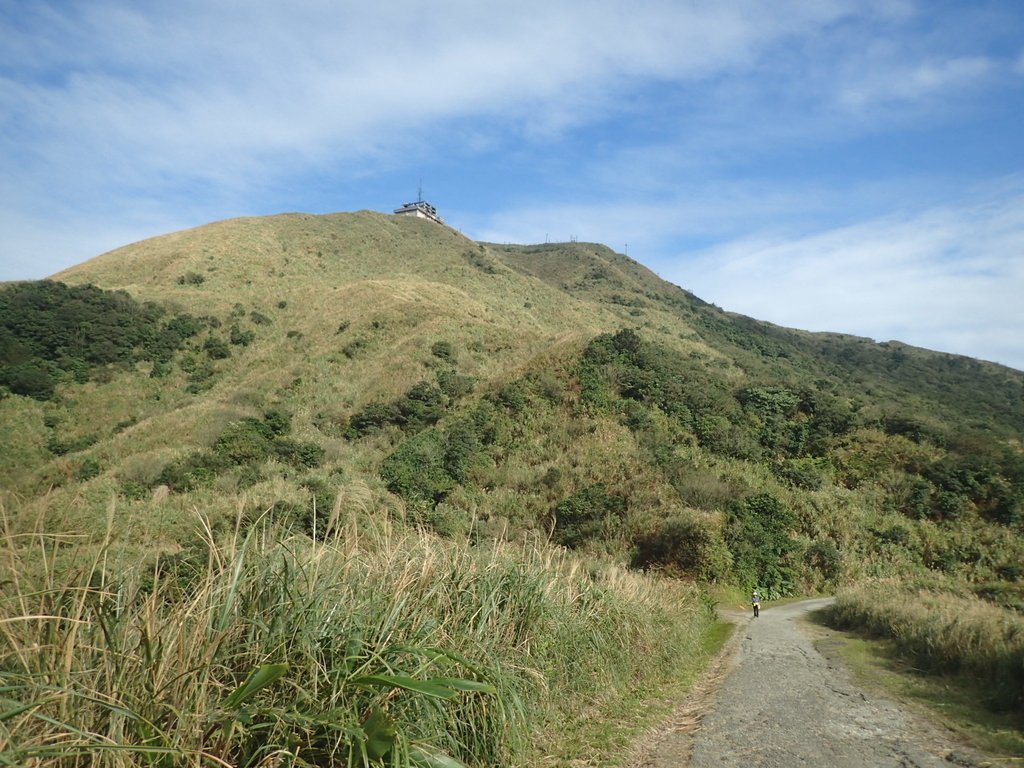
421	209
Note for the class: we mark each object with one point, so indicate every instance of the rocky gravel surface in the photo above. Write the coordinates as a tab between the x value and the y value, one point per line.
774	701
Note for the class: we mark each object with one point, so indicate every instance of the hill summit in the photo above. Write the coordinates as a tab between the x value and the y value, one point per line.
558	390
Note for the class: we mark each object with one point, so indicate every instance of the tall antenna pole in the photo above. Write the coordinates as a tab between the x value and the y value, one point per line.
419	192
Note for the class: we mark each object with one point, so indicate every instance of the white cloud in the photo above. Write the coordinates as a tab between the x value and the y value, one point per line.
199	87
900	82
948	278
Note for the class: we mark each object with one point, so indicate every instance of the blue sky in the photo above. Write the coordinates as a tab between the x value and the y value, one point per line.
852	166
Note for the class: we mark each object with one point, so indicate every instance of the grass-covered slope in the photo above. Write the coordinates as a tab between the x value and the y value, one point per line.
489	390
286	373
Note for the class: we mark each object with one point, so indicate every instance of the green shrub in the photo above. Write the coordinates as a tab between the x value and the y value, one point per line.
30	380
59	447
200	377
589	514
51	332
453	384
243	444
191	278
421	406
240	338
172	336
512	396
552	477
194	470
424	404
133	489
417	470
299	454
216	348
278	422
757	533
373	417
443	350
807	473
88	469
823	556
687	545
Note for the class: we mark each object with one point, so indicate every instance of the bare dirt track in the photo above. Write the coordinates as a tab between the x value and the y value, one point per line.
776	702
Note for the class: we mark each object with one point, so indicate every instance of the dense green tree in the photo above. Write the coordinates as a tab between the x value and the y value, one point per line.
758	535
589	514
50	332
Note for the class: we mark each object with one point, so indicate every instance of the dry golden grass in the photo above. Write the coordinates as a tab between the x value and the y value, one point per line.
943	632
128	665
396	285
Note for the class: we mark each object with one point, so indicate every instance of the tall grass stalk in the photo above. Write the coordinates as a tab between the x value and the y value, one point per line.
372	646
942	632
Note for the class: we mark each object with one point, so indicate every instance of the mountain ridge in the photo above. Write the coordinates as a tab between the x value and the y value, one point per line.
328	316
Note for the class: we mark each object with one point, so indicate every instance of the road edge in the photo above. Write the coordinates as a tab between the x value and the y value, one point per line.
670	743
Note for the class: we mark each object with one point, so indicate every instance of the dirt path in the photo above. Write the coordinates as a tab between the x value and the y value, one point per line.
775	702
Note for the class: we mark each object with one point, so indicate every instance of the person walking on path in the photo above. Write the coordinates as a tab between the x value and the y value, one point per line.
755	600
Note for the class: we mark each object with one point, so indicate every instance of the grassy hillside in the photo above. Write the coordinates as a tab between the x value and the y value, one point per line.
300	378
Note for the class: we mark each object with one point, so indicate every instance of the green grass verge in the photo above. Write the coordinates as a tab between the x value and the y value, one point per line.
617	725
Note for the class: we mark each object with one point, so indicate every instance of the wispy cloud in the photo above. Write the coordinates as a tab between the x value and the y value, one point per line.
205	91
109	107
917	81
948	278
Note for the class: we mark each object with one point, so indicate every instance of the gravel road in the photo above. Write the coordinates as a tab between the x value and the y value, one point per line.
776	702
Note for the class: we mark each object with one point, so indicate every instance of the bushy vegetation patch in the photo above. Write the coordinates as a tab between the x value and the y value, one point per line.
190	278
426	467
51	332
239	337
685	544
589	514
422	406
758	535
774	422
244	443
810	437
737	526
